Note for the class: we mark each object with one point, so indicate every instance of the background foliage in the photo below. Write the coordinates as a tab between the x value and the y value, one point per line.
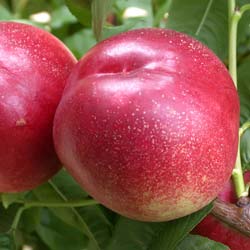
95	227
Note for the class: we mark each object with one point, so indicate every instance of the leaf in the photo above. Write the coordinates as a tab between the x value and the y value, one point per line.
175	231
244	89
135	235
132	22
99	13
7	217
4	13
58	235
81	9
80	42
94	216
48	192
245	150
244	93
68	186
98	224
129	12
111	31
244	28
205	20
30	219
60	17
29	22
9	198
161	10
90	221
195	242
25	8
7	242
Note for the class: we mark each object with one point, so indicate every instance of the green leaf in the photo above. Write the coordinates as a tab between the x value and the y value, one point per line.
195	242
68	186
99	13
25	8
49	192
245	150
81	9
175	231
58	235
4	13
111	31
98	224
128	12
9	198
161	10
7	217
60	17
244	93
7	242
135	235
244	89
30	239
94	216
206	20
89	220
243	29
30	219
29	22
80	42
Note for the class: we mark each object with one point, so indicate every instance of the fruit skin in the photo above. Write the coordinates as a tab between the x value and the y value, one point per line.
148	124
34	66
216	230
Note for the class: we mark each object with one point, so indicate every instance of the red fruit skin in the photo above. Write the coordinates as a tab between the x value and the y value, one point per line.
148	124
34	66
216	230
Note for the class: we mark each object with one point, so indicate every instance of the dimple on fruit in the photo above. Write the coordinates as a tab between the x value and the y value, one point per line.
148	124
34	66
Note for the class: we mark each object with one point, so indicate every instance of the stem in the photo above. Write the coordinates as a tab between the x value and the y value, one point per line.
243	128
244	8
17	218
238	179
233	18
231	9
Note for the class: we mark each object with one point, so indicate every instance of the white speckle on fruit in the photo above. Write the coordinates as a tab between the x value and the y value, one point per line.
21	122
204	178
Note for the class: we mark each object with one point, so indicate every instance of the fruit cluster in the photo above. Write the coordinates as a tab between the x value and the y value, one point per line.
146	122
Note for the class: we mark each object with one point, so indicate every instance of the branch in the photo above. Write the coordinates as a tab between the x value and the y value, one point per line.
236	216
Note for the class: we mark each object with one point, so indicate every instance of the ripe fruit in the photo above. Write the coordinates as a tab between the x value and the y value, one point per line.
34	66
148	124
215	229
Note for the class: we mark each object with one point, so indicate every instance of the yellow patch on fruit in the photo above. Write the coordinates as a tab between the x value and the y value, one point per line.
162	209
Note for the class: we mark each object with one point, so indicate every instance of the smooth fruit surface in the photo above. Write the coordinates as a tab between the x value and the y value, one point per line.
148	124
34	66
215	229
